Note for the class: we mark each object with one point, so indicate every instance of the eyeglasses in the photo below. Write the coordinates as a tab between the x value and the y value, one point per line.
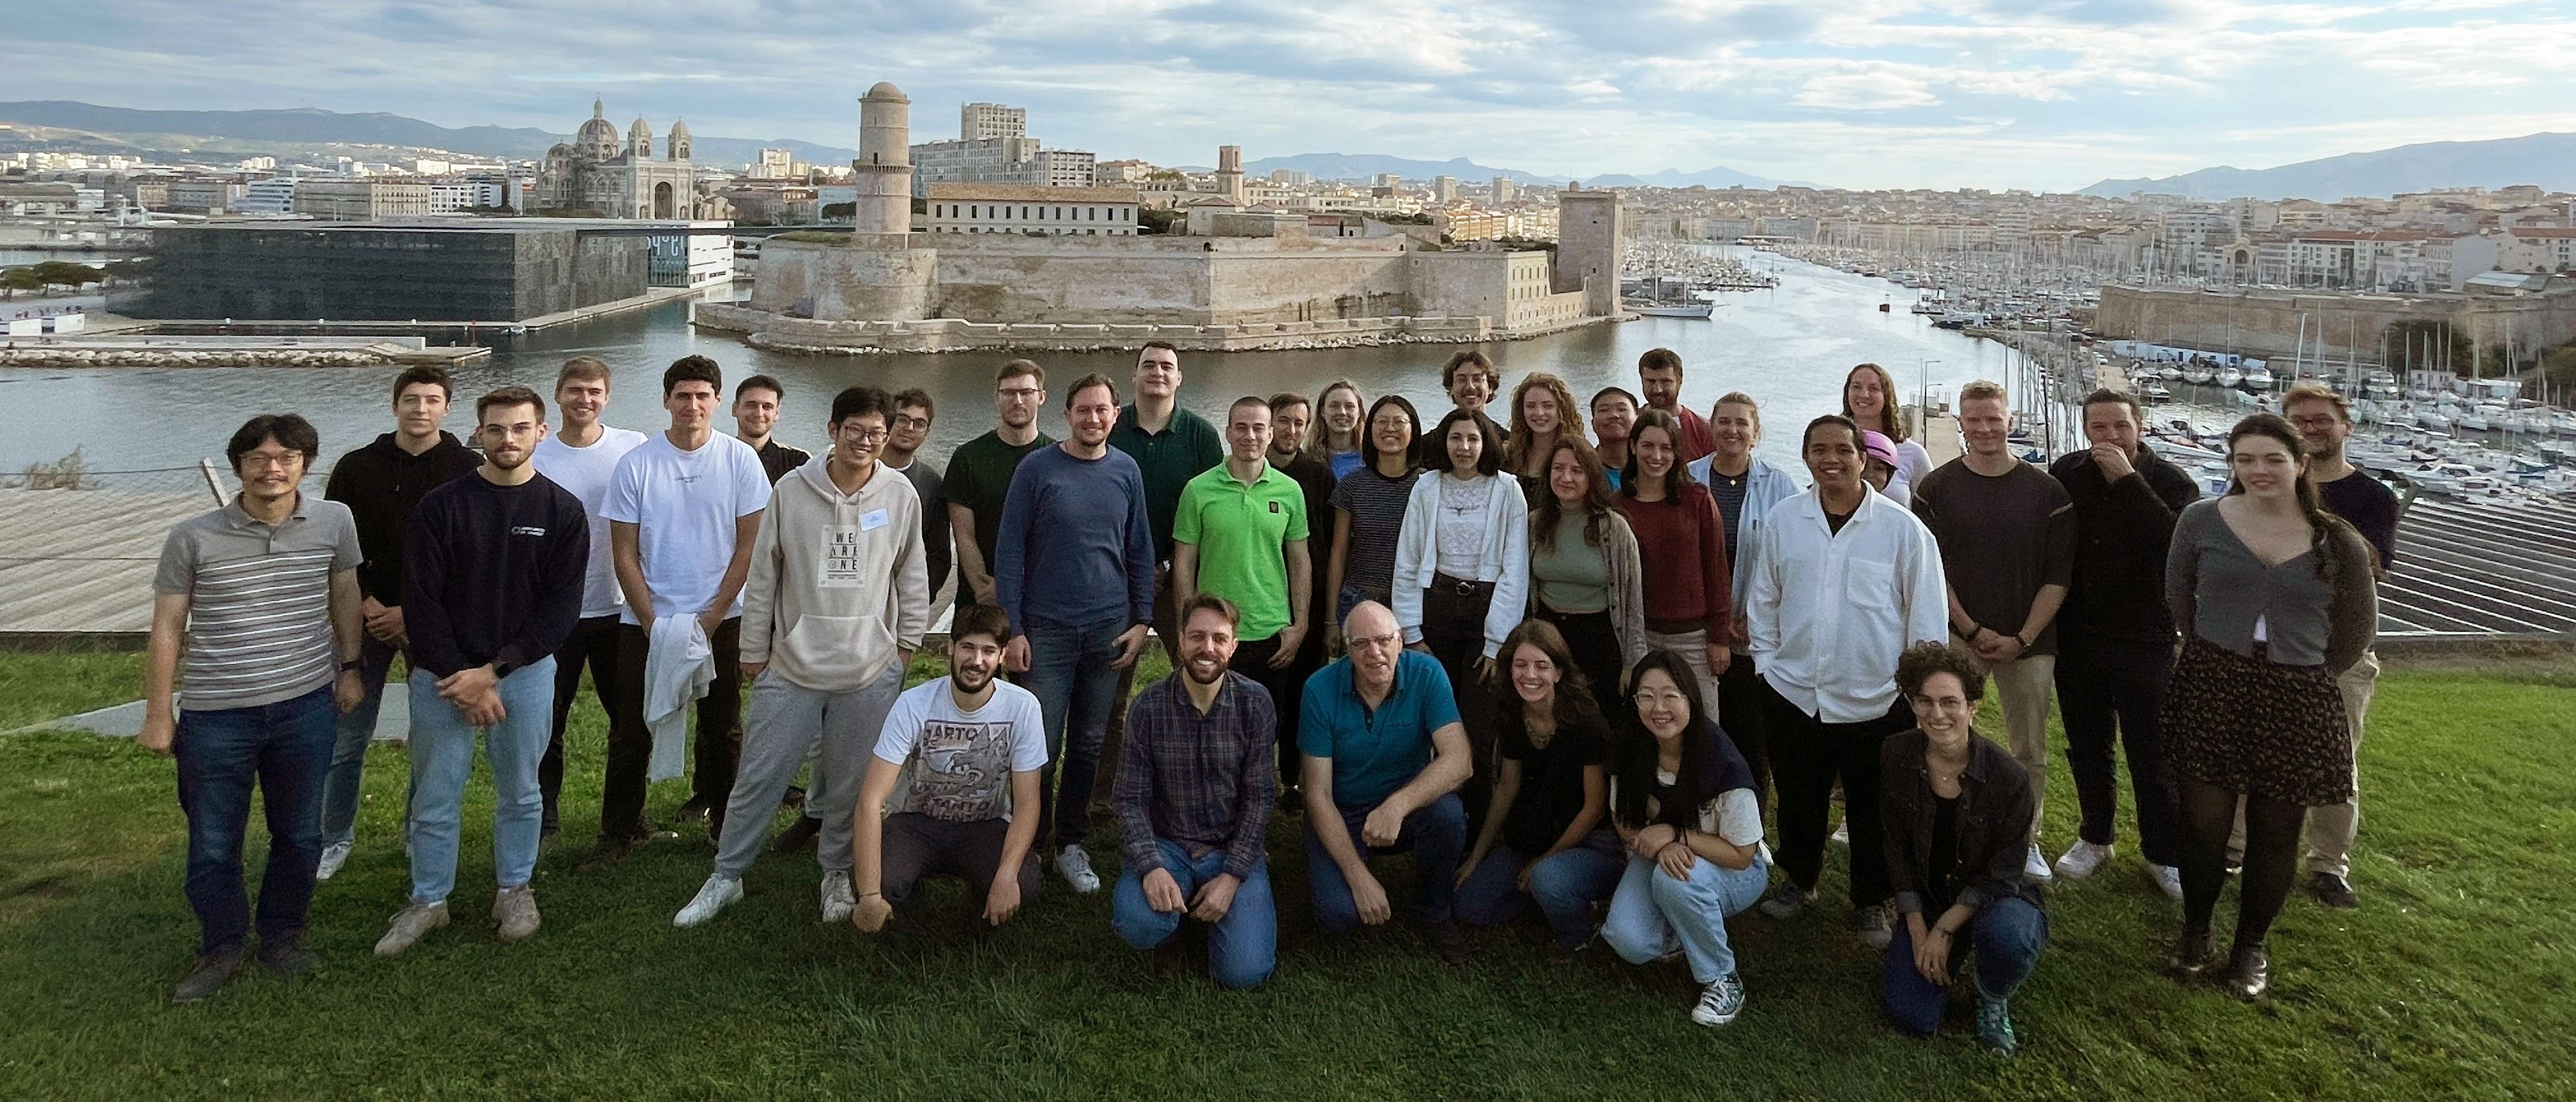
867	436
1944	703
2317	421
1377	642
1648	698
912	422
266	460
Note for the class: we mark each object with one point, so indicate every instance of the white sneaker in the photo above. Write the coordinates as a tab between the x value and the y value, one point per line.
2082	860
837	901
1842	833
333	856
715	895
2035	865
2168	878
1075	865
410	924
514	912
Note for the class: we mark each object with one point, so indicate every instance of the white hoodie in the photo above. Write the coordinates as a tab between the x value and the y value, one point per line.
837	580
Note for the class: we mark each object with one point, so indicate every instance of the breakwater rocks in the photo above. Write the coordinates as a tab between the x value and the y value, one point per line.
60	356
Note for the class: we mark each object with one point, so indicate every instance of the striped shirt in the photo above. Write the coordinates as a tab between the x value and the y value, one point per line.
259	601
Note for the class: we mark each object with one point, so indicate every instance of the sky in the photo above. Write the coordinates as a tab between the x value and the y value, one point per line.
2042	94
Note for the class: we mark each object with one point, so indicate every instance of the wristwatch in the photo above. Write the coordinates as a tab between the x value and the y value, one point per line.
349	665
502	670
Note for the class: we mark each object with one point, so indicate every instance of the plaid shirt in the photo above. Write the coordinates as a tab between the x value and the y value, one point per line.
1204	782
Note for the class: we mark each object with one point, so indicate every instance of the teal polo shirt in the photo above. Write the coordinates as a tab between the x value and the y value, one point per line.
1169	460
1242	532
1375	752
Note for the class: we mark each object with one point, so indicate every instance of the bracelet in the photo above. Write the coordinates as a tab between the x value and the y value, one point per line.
873	895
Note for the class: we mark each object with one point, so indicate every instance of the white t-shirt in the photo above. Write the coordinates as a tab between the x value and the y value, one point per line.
684	505
584	473
962	771
1734	815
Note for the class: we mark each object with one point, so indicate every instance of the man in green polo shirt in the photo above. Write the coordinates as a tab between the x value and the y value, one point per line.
1240	533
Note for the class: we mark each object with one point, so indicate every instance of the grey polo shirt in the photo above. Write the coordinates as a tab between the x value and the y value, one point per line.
259	601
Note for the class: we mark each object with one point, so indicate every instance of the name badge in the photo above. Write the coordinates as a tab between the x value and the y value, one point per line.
872	520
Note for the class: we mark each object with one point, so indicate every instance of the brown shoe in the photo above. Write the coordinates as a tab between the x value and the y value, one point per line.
2333	891
208	975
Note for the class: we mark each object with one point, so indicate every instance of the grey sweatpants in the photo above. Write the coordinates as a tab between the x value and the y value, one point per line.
788	723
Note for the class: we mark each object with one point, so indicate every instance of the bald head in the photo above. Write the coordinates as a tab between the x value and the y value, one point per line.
1369	618
1371	635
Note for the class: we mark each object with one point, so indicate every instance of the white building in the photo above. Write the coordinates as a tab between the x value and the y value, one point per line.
1070	168
1019	208
268	198
992	120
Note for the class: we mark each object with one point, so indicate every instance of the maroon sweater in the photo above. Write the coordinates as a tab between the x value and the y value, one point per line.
1682	547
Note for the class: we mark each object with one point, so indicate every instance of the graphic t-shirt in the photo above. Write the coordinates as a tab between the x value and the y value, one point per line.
584	473
684	505
957	765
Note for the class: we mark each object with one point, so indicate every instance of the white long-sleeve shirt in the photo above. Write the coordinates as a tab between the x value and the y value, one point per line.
1827	613
1504	562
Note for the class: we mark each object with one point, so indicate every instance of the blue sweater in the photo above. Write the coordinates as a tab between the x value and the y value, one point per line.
1075	546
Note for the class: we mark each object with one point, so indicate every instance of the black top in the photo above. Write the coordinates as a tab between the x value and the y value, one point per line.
777	459
2122	530
2370	507
1551	792
1989	838
495	574
937	547
381	484
1315	480
1938	891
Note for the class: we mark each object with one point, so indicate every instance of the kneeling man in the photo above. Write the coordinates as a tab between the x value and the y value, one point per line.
958	757
1384	755
1196	777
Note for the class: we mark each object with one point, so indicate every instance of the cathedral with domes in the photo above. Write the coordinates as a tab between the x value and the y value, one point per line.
600	175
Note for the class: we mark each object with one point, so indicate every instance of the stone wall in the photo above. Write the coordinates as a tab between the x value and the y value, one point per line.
767	330
2267	323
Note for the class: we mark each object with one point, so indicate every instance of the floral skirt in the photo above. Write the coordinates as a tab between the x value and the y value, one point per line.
2258	727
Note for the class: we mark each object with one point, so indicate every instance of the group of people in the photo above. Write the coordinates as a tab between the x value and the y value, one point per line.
1570	672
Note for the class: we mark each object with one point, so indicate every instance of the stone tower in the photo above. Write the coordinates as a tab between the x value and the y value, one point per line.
1590	246
883	171
676	147
1229	172
639	140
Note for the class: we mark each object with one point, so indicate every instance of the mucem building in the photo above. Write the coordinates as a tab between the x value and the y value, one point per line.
482	273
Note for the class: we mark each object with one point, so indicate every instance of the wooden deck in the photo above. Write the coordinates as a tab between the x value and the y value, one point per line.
81	561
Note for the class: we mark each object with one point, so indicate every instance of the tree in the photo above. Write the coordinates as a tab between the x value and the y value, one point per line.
14	280
58	273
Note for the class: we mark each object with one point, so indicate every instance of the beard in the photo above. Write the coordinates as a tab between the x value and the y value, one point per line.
973	681
1191	670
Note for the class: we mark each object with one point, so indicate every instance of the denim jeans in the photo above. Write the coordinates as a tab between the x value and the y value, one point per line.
1565	885
442	757
1652	914
284	749
349	749
1437	835
1070	671
2007	935
1243	946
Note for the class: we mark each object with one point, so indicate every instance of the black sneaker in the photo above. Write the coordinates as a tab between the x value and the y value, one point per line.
798	837
2249	973
795	796
696	808
287	956
2190	958
1447	940
208	975
2332	890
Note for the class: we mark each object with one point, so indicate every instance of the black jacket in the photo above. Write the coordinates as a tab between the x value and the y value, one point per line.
381	484
1993	839
2121	531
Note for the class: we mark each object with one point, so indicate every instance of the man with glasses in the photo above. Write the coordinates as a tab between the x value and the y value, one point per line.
262	597
1384	754
2324	422
979	476
834	608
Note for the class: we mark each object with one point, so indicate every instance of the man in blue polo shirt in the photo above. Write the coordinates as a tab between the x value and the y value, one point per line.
1384	755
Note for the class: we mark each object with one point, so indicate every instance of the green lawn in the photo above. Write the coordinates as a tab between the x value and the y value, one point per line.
2454	980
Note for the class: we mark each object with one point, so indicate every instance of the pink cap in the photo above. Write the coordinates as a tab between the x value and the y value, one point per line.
1878	446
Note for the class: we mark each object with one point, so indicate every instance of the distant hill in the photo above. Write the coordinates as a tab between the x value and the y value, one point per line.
1366	166
302	131
2548	160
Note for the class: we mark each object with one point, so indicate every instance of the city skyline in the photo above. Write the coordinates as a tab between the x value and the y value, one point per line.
2040	94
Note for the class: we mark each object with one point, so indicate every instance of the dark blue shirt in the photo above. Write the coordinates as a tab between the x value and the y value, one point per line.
1375	751
1074	546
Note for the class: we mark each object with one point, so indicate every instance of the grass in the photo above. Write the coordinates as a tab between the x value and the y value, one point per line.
2452	981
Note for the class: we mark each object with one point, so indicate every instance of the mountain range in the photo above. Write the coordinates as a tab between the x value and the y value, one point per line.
1367	166
2548	160
310	133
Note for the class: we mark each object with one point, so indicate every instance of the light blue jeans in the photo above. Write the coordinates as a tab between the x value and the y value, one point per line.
442	757
355	729
1652	914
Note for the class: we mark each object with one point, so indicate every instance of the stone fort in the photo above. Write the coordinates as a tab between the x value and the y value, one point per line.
1251	280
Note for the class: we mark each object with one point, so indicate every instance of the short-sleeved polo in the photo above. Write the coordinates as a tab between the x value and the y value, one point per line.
259	601
1375	751
1239	531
